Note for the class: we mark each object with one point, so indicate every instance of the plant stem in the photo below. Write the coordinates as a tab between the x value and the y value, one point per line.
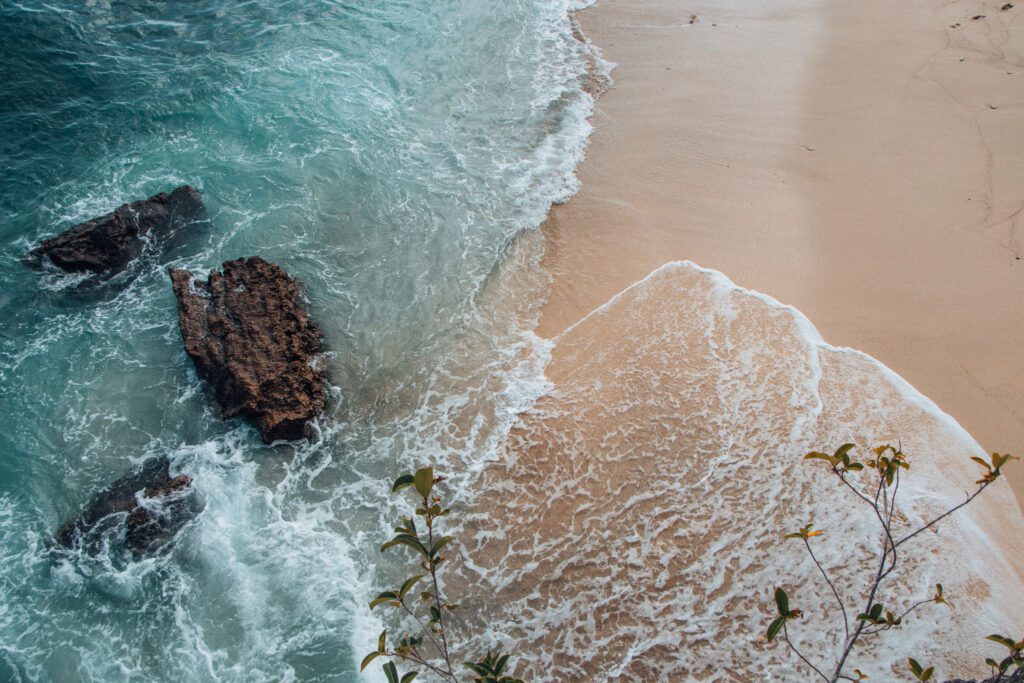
880	574
935	521
889	546
415	658
824	574
423	627
785	636
437	592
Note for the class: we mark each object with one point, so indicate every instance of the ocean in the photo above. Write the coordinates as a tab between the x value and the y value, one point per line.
620	490
396	158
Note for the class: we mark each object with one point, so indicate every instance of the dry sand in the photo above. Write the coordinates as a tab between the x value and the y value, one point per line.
861	161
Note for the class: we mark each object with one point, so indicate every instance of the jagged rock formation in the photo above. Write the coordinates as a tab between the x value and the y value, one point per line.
250	338
108	244
150	505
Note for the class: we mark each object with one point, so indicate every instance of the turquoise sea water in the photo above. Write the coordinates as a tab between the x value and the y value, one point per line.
385	153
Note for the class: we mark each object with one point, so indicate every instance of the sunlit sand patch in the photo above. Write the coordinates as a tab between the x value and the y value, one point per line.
634	528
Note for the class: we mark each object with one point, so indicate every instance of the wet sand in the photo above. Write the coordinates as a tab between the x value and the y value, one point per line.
863	162
634	528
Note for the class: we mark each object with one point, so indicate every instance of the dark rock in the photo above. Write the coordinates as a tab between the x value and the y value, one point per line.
149	505
109	243
251	339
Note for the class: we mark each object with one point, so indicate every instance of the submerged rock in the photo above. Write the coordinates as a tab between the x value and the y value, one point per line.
109	243
148	506
250	338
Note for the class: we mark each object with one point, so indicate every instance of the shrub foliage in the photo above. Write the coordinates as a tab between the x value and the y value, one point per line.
427	646
875	482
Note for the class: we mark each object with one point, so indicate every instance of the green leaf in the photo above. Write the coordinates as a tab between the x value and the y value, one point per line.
424	481
406	539
855	467
927	673
386	596
382	642
999	460
820	456
915	667
775	627
402	482
782	601
408	677
409	583
367	659
440	543
842	451
499	666
391	672
1002	640
476	668
874	615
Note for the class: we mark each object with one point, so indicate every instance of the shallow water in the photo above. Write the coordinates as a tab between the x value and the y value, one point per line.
386	154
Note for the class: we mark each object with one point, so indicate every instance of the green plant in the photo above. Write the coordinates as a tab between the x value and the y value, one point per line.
879	493
1015	659
920	673
1000	669
428	647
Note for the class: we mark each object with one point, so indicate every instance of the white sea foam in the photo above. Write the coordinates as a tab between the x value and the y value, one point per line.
634	529
362	152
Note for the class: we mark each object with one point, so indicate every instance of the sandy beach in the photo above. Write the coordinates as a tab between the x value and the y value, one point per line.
861	163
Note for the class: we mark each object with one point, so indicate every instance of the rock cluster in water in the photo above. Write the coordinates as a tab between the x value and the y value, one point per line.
108	244
149	506
246	331
250	338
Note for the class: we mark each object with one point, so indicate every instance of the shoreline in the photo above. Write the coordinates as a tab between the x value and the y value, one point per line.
805	155
798	152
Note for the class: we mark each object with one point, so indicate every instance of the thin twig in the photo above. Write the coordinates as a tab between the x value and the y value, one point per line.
785	636
420	661
915	606
879	575
842	478
935	521
423	627
433	578
883	489
824	574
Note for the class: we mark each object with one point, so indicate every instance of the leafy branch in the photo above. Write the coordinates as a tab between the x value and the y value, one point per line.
1015	659
428	646
879	493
